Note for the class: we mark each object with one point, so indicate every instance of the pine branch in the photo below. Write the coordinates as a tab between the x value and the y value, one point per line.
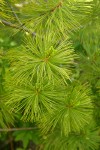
59	5
17	27
21	27
15	15
15	129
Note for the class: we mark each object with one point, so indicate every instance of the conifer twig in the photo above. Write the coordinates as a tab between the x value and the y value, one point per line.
15	15
20	23
16	129
17	27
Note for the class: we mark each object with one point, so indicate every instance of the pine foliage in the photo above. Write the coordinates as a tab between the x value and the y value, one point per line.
53	77
73	112
85	140
43	58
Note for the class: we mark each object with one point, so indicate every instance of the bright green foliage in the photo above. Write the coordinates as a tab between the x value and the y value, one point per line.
33	99
42	58
50	75
73	111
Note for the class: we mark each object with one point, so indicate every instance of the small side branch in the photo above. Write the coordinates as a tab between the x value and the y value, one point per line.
17	27
16	129
15	15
